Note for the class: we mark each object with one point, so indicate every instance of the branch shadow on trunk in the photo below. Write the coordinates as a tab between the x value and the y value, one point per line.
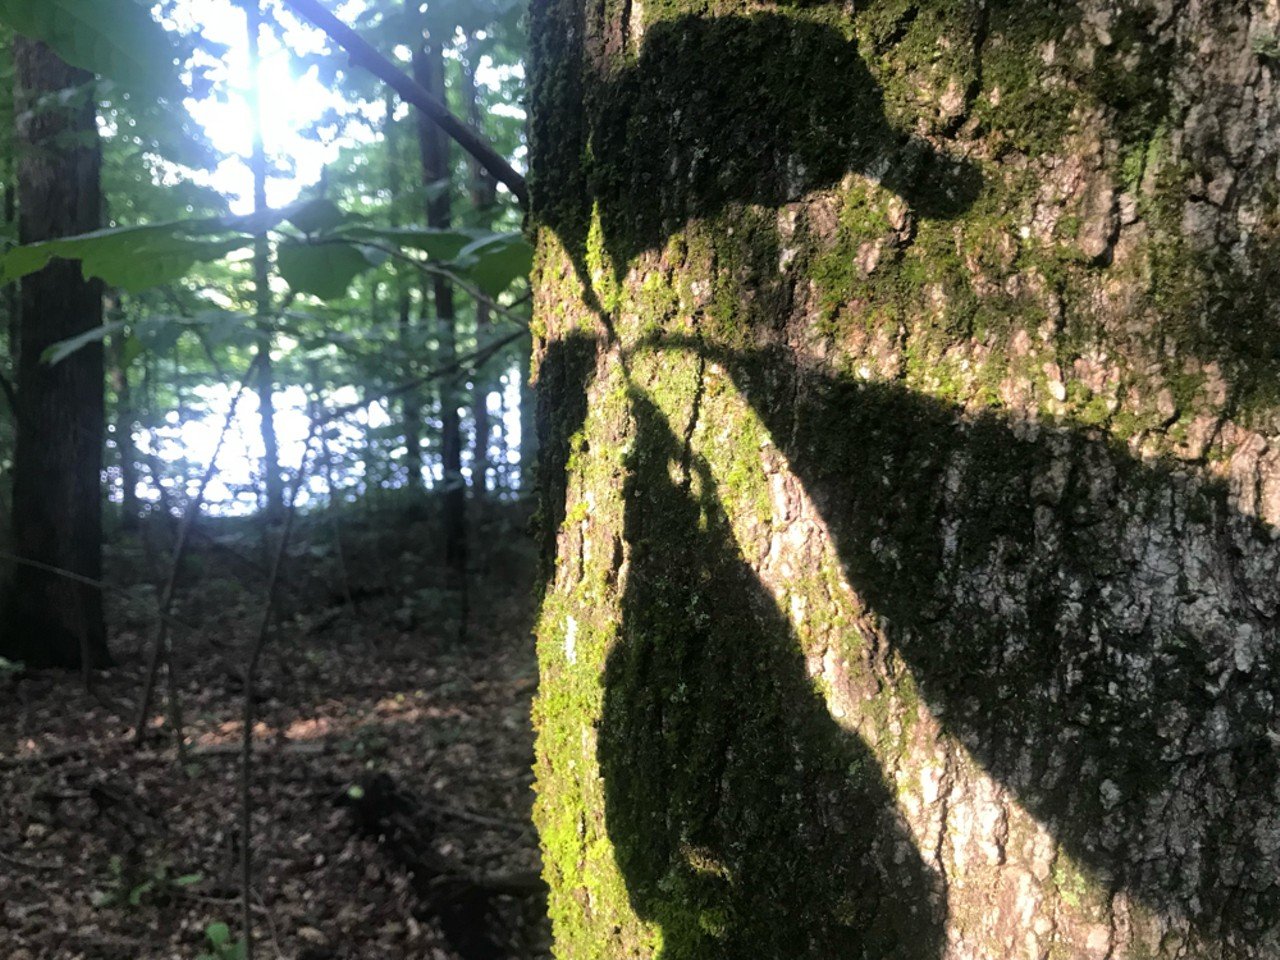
745	820
1098	632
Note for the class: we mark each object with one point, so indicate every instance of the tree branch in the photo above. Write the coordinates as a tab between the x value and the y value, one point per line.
163	647
431	269
363	54
9	557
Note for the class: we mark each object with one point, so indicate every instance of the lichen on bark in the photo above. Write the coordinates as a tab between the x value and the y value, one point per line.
911	481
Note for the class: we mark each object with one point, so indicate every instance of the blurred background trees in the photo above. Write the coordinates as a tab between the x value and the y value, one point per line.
260	198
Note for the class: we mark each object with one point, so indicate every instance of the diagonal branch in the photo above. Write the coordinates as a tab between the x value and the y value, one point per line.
74	577
432	269
362	53
163	647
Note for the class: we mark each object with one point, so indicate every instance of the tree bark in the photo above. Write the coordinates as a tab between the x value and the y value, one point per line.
428	70
910	462
57	498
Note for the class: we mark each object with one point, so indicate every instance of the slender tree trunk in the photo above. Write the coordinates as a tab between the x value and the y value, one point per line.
911	460
482	193
528	451
57	497
12	307
273	481
410	402
428	70
126	421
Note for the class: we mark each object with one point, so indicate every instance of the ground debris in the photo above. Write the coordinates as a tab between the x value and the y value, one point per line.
110	851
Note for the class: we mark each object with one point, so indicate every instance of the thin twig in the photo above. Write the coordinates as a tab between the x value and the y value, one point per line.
476	357
87	581
435	270
470	816
56	755
250	681
163	645
363	54
343	573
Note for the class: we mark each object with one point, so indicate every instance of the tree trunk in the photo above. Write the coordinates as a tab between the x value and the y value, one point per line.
50	620
482	194
411	401
273	481
12	308
527	449
126	422
428	70
911	459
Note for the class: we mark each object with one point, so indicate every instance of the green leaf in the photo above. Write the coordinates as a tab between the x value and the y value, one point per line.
140	891
131	258
132	351
436	244
317	216
324	270
159	335
495	261
218	934
116	39
188	879
218	327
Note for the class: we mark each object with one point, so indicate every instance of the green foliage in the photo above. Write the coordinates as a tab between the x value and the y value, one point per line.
324	264
494	262
131	258
443	245
1267	47
131	890
177	270
116	39
220	944
323	269
159	334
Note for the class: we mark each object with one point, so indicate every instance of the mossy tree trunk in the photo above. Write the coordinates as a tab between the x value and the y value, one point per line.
910	450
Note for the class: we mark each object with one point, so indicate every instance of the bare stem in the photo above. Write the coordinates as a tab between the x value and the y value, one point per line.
163	647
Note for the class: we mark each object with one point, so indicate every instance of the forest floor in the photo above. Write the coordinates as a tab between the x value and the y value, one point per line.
109	851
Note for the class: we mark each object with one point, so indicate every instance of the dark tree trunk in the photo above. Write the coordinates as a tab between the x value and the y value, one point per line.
428	70
57	492
911	457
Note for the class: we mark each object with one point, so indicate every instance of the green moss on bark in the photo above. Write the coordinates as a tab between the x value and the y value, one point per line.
858	389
